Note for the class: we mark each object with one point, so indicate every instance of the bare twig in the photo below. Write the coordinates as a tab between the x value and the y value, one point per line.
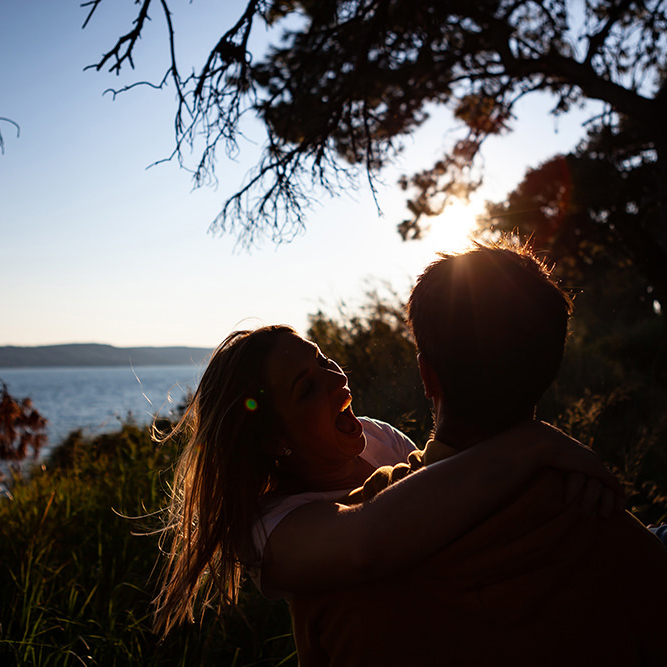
18	132
122	50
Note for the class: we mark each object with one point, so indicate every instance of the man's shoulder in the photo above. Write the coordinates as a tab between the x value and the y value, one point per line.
537	537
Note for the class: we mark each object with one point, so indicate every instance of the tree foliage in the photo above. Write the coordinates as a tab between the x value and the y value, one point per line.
596	210
595	213
349	79
22	428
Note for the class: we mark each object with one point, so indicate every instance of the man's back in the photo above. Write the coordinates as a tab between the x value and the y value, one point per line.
535	584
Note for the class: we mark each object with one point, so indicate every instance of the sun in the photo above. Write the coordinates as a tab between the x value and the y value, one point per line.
453	230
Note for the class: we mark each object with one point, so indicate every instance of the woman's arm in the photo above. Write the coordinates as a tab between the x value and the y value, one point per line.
321	546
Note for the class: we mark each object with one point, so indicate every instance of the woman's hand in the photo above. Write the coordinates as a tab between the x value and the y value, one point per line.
589	482
594	498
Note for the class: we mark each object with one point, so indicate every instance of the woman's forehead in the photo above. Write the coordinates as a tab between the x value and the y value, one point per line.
290	353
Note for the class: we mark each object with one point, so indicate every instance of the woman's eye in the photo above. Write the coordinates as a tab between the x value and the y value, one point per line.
325	361
307	388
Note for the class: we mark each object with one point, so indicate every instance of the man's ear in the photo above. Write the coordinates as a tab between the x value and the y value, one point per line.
429	378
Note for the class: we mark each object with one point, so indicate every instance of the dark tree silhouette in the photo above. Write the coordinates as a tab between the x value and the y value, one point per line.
351	78
596	209
22	428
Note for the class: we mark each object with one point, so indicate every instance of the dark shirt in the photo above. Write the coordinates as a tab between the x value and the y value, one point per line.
537	583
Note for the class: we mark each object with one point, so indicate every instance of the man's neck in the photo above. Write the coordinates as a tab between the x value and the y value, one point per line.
458	436
461	435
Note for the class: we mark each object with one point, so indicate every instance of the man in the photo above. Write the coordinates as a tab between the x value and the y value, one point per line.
539	582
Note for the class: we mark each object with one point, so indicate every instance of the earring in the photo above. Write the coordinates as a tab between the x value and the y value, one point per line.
287	451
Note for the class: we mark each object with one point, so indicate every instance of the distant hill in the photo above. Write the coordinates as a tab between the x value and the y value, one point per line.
93	354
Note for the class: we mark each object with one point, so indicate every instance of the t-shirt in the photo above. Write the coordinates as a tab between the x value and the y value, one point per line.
385	446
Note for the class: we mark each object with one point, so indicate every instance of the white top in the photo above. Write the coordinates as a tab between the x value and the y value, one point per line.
385	445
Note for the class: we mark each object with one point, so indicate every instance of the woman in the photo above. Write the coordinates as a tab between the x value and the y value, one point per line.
273	443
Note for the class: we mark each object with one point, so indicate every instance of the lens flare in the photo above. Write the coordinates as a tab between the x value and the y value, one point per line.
251	404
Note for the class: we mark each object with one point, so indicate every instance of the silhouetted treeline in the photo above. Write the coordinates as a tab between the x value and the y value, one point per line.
94	354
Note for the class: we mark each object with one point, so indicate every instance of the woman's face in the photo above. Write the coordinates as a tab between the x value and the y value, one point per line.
312	400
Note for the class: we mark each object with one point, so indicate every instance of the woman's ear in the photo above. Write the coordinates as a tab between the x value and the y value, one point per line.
281	447
429	378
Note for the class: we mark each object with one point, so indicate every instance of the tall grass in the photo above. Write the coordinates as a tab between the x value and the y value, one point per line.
76	578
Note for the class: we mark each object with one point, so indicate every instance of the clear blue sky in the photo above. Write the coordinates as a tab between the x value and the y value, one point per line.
95	247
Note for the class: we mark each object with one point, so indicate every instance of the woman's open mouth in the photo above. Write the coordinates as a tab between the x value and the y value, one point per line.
346	422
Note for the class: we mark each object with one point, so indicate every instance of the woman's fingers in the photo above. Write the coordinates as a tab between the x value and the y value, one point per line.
595	499
574	485
606	504
572	455
590	496
595	469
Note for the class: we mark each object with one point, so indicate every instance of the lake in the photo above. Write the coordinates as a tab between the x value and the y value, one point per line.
96	400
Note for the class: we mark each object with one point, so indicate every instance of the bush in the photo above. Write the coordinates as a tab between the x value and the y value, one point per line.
22	428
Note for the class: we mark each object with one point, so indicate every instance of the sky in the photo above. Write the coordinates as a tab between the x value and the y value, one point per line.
95	246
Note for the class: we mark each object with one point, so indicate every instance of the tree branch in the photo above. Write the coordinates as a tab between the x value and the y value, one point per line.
2	141
122	51
596	41
624	101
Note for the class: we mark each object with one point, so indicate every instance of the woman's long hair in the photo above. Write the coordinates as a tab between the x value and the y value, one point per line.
227	467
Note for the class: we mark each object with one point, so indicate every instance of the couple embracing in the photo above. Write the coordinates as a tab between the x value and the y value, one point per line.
502	542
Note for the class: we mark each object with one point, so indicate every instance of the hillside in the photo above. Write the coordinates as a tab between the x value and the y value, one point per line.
93	354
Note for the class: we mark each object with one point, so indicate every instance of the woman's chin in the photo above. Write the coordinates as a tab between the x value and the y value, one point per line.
356	443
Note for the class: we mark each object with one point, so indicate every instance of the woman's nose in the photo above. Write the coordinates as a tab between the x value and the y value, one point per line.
337	376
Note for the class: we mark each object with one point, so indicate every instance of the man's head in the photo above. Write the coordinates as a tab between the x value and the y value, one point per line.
491	325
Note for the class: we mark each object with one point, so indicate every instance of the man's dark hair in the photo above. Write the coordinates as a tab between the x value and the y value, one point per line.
492	324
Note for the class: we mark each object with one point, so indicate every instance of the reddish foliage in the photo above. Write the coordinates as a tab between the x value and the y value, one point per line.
21	427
